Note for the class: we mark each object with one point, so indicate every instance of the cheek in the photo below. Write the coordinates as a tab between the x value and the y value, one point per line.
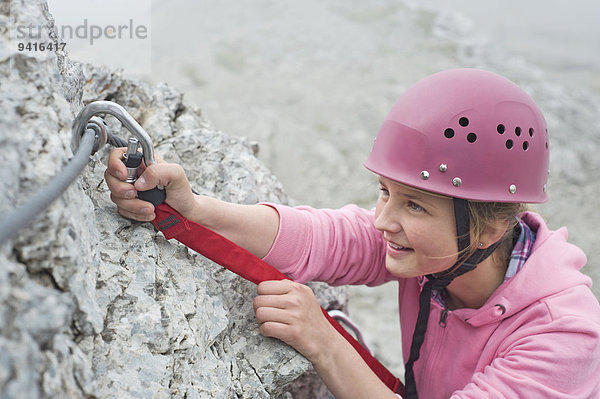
435	245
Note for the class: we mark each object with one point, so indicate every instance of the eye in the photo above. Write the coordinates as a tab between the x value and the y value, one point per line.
415	207
384	192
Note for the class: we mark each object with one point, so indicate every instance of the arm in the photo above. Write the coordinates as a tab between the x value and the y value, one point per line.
338	246
253	227
285	310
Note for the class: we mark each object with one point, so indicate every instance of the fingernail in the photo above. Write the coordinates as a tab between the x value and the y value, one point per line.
130	194
147	211
141	182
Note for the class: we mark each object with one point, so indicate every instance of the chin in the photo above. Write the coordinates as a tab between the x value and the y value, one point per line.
402	271
408	268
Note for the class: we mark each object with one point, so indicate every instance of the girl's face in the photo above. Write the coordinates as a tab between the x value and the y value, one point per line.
419	229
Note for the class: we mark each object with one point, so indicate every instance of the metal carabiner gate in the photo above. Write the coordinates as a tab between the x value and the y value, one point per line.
88	116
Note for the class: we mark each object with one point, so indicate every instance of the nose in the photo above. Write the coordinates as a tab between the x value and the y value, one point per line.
386	217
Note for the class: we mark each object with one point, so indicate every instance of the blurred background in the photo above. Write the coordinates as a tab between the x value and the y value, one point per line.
311	81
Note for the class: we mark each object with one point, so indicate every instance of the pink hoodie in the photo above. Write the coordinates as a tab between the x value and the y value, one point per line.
537	336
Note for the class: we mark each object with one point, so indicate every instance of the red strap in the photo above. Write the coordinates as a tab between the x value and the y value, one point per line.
235	258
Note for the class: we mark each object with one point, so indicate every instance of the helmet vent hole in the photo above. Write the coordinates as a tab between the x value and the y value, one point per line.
463	122
518	131
500	128
509	144
449	133
471	137
531	131
525	145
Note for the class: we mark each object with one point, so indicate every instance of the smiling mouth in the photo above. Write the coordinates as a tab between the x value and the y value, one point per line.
398	247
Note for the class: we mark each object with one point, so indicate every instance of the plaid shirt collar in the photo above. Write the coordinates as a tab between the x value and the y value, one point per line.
521	250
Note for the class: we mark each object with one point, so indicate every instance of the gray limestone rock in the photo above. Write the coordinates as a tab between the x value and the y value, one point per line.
94	305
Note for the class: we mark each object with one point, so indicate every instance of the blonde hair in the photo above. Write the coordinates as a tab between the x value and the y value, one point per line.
483	215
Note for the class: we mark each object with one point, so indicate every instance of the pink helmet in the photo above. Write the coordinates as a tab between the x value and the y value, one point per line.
468	134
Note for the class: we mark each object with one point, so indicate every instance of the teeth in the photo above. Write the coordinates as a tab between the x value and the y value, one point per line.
396	246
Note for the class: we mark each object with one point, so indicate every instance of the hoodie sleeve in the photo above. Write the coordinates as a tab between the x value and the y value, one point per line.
338	246
557	358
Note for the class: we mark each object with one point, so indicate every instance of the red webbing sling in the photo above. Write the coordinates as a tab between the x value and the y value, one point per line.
235	258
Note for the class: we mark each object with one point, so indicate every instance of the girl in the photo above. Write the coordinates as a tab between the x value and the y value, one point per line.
492	303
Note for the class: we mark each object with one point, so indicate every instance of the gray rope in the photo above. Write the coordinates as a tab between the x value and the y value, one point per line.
116	141
24	215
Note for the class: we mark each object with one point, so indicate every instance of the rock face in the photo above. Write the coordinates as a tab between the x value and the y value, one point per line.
94	305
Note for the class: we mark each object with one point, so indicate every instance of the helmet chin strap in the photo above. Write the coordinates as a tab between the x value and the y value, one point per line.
464	264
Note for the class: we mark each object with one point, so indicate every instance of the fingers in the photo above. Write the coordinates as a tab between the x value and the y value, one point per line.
283	301
171	176
289	311
277	330
281	294
135	209
268	314
278	287
115	165
279	314
124	195
116	171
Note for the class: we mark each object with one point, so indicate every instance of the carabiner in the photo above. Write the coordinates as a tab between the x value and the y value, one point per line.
114	109
87	117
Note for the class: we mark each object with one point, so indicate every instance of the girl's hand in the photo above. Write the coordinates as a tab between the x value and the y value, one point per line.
290	312
124	195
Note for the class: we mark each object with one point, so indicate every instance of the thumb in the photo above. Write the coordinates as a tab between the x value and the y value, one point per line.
171	176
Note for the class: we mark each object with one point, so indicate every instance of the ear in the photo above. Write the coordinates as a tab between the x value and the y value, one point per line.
492	233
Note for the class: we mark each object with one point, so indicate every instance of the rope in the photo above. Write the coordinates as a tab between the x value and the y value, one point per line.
116	141
24	215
